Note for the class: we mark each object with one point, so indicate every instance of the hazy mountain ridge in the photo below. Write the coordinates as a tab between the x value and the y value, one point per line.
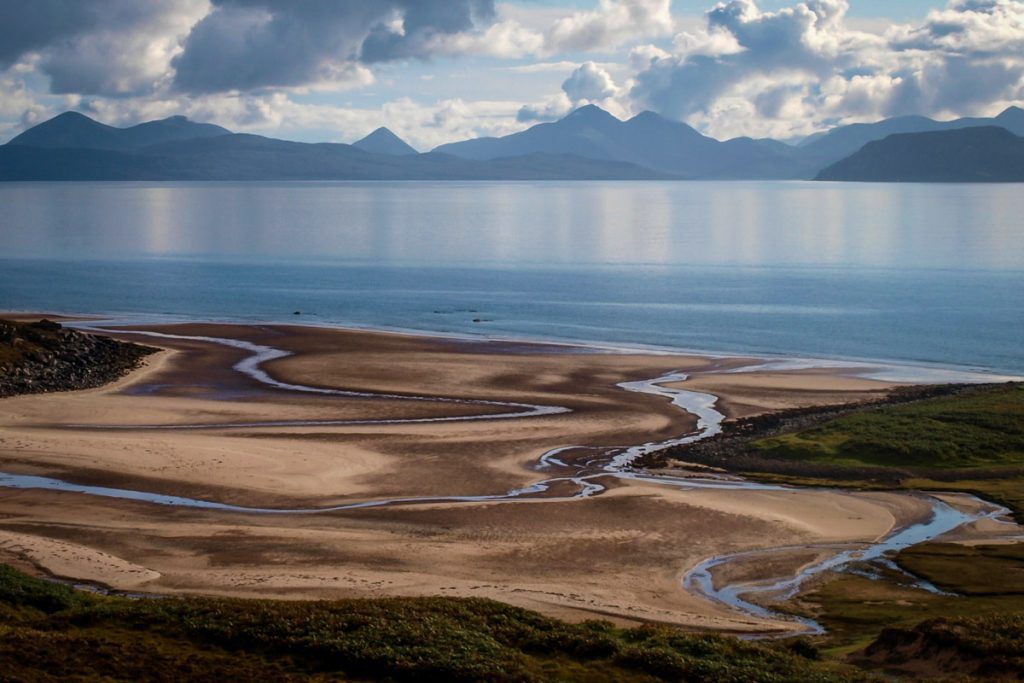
650	140
72	130
238	156
587	144
841	142
980	154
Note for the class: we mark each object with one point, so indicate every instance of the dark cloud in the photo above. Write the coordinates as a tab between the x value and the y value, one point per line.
250	44
423	21
130	47
97	47
27	26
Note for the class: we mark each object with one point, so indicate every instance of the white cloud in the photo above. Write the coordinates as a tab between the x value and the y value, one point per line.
19	107
613	23
800	68
590	83
523	32
259	64
550	109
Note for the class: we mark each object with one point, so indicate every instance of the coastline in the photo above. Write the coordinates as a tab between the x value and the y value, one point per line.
646	534
899	371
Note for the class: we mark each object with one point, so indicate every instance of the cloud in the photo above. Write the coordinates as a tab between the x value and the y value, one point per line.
112	47
19	108
251	44
423	22
26	26
740	70
797	69
127	47
613	23
520	32
551	109
589	83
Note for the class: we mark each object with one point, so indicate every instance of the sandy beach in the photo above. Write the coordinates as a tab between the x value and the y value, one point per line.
187	424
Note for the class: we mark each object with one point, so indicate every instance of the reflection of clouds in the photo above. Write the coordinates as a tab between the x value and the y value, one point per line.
713	223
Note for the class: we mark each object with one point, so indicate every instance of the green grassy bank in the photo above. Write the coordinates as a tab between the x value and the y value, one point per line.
972	443
50	632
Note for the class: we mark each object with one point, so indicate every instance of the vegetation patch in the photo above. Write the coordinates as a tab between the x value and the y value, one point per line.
980	647
52	632
856	610
981	430
968	569
945	438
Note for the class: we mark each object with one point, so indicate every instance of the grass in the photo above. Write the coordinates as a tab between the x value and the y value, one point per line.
881	625
952	648
972	443
984	430
52	632
907	632
969	570
855	610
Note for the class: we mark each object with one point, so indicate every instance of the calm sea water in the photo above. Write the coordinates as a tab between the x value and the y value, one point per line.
923	273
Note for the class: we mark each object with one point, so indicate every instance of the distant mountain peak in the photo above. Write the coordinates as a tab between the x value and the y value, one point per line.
72	116
648	115
1013	112
383	141
74	130
656	121
590	112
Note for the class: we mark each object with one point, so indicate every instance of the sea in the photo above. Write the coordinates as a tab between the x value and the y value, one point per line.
929	275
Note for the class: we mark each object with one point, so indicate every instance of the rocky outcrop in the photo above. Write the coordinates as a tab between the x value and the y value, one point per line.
44	356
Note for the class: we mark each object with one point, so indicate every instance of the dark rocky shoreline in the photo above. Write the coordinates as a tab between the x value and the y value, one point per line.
45	356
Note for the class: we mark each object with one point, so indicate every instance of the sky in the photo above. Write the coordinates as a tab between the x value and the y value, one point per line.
436	71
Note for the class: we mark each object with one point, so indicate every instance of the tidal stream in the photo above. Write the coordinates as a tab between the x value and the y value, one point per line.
614	462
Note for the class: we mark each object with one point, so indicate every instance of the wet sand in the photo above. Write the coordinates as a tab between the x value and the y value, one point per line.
618	555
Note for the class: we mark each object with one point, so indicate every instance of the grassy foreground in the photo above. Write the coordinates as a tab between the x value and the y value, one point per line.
50	632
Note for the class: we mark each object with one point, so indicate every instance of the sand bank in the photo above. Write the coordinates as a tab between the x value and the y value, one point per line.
619	555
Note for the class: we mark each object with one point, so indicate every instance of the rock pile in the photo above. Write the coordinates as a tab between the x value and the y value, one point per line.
45	356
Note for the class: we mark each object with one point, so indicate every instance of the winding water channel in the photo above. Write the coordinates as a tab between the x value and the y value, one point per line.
585	475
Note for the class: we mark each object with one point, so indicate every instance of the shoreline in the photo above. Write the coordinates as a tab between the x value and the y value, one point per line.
634	526
916	371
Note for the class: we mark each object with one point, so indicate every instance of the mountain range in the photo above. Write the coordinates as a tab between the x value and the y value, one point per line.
72	146
982	154
588	143
652	141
